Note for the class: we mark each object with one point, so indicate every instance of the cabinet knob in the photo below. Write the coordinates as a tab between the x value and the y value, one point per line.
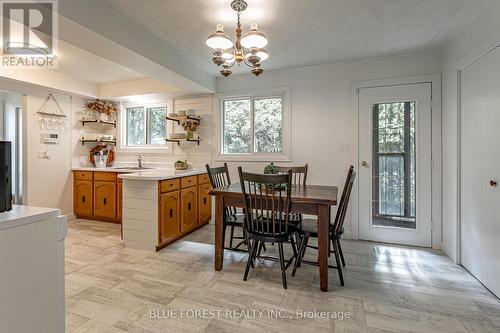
104	200
493	183
83	199
204	201
189	206
171	212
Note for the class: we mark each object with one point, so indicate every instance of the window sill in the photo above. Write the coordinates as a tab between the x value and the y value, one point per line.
252	158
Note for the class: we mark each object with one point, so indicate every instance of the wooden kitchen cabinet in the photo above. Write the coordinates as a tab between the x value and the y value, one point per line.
97	195
105	199
189	211
83	195
169	216
183	205
204	204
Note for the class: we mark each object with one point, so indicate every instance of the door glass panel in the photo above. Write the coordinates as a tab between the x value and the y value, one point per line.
393	167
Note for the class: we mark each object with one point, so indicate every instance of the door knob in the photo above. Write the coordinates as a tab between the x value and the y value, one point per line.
493	183
365	164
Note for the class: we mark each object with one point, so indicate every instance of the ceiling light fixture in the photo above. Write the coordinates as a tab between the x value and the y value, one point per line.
248	49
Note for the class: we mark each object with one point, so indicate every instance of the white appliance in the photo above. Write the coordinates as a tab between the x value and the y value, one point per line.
32	270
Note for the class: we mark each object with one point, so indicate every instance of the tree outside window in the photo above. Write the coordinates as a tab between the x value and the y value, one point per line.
146	125
252	125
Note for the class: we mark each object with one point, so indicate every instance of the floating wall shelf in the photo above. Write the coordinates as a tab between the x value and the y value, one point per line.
83	141
186	140
98	121
178	119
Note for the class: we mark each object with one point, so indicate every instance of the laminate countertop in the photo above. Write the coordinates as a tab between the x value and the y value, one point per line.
161	174
112	169
21	215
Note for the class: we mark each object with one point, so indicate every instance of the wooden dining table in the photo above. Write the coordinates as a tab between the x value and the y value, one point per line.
311	199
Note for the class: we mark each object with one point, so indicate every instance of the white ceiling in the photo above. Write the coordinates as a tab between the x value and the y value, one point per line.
304	32
90	67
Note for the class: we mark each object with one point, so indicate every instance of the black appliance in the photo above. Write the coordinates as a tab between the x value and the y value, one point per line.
5	176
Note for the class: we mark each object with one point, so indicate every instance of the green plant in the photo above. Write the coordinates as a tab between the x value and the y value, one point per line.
270	169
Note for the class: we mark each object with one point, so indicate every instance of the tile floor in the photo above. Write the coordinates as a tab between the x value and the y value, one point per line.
111	289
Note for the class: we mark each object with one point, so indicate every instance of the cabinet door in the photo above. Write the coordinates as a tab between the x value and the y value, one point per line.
83	197
169	216
204	204
119	199
105	199
189	211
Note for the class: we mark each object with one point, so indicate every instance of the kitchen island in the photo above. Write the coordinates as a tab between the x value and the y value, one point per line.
160	206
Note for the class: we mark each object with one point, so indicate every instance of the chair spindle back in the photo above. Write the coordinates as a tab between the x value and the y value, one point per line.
344	200
219	177
299	173
267	198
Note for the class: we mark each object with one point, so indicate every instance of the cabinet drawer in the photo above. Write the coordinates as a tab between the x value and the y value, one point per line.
83	175
203	179
169	185
189	181
105	176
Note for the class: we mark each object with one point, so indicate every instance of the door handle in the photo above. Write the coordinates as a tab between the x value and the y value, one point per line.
365	164
493	183
204	201
171	213
83	199
104	200
189	206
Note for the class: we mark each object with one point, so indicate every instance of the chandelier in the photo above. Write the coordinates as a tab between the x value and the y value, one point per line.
248	49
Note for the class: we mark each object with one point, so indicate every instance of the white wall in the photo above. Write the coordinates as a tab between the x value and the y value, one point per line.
323	115
48	181
480	35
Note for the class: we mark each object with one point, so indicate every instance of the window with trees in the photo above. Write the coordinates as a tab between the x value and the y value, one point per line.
145	126
252	125
394	164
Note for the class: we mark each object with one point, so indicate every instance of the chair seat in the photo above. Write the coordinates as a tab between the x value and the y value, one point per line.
235	219
309	227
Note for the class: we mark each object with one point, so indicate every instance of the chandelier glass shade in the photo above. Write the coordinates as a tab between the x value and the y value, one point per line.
247	49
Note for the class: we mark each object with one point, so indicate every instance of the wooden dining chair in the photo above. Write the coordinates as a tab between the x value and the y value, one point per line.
219	177
299	173
267	197
299	178
308	228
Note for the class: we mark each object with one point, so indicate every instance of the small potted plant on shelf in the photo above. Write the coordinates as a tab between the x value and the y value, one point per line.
190	127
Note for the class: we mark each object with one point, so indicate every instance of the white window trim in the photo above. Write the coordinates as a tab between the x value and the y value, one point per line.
122	147
285	155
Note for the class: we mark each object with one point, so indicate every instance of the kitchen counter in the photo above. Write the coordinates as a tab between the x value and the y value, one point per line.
112	169
161	206
21	215
161	174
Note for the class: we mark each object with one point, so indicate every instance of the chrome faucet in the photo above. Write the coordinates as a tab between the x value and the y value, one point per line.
139	161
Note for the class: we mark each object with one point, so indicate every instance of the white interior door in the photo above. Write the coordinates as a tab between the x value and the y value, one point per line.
395	164
480	171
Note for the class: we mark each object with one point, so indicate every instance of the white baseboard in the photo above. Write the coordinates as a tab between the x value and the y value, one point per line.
69	216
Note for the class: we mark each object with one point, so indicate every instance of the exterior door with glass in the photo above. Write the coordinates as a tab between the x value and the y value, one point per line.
395	164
